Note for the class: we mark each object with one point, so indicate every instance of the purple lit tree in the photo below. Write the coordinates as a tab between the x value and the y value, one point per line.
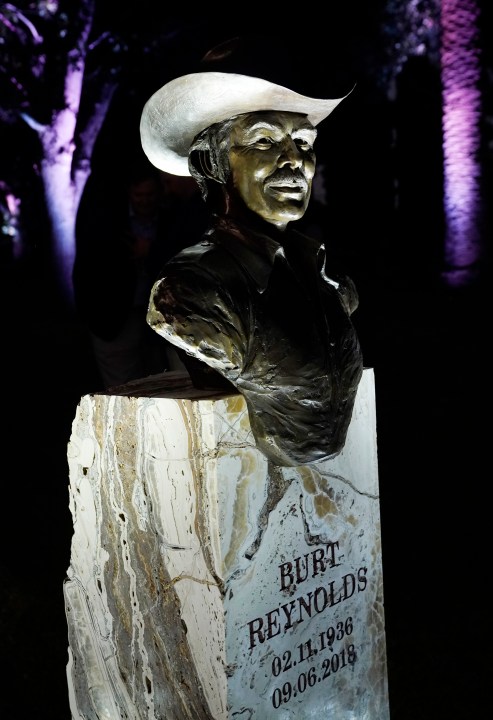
461	100
447	32
61	63
43	73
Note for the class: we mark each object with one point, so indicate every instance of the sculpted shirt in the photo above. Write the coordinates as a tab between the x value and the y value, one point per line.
257	306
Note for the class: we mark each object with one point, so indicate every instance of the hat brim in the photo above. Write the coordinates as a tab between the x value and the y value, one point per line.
185	106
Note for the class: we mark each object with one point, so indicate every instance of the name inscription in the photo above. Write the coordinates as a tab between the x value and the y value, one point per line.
334	642
290	614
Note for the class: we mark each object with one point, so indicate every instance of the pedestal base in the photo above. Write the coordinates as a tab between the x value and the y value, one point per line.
206	583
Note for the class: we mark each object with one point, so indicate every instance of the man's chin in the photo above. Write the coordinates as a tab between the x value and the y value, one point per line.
291	211
282	218
280	211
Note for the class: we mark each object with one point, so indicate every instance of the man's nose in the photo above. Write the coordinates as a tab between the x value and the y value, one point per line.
290	155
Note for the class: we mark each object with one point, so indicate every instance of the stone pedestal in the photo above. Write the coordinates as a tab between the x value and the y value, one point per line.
205	583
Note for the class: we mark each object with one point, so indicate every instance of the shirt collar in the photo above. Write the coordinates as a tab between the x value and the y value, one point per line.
256	251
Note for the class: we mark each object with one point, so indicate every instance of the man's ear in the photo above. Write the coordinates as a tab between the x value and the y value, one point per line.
201	161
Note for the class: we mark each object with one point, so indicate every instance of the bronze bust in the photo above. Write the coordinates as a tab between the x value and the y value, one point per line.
252	302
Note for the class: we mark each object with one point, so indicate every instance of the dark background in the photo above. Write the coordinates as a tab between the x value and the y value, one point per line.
429	346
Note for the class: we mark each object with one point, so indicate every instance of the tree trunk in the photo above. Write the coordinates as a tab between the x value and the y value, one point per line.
461	100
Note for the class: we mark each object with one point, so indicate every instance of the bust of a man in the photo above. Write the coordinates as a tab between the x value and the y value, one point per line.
253	302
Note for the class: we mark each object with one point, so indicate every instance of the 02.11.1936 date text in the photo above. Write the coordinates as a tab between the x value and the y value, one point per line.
345	657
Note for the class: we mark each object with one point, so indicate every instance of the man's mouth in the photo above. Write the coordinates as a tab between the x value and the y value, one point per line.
288	188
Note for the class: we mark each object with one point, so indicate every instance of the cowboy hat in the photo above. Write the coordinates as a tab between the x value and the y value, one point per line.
185	106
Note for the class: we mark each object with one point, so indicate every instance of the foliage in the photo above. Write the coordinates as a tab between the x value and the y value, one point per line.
409	28
60	63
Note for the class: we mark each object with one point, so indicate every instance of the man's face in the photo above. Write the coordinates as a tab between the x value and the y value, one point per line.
272	164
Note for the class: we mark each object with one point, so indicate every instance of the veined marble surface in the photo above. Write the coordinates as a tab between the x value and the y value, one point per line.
205	583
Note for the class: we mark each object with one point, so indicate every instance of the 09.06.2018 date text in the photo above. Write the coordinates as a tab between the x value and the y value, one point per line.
345	657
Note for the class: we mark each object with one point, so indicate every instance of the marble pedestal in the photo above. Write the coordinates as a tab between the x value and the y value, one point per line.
205	583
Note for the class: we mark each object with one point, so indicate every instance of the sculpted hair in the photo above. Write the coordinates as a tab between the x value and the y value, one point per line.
208	157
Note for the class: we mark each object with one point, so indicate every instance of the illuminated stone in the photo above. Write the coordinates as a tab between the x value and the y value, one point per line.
206	583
